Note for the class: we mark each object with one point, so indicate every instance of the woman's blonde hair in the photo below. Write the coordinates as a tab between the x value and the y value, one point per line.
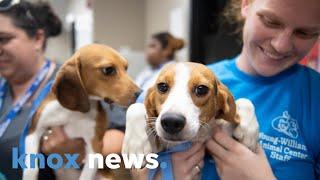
232	14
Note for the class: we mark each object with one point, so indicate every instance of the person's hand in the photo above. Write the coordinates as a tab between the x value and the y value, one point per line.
236	161
112	141
187	165
55	140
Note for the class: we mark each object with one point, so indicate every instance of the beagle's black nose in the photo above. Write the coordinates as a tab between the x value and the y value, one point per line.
172	123
137	94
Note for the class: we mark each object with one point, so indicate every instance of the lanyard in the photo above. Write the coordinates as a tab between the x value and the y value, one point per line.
35	105
2	89
165	162
9	117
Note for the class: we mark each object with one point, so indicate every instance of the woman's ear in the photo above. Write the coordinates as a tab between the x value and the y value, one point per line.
39	38
245	6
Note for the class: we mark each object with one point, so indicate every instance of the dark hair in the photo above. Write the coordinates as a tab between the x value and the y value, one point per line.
168	41
31	17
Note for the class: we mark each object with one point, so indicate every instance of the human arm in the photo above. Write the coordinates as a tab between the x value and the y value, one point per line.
112	141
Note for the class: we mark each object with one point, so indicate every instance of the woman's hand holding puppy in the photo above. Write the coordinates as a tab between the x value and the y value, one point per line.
235	161
55	140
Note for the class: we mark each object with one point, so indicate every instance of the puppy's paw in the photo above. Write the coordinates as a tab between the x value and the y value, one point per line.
247	132
136	139
31	174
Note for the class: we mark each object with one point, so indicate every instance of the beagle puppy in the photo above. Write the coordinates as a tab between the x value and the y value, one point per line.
185	104
93	74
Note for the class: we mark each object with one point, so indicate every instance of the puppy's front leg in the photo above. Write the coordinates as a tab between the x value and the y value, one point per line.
247	132
136	138
32	143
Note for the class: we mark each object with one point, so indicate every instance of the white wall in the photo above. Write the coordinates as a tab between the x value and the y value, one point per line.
120	23
58	48
125	25
159	14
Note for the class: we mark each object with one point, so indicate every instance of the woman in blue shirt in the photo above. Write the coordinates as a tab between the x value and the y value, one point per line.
276	36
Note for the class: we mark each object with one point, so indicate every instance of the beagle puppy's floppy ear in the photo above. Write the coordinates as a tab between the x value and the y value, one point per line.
151	109
150	103
68	87
226	107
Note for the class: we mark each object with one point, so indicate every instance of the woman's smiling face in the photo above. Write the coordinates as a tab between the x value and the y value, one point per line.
277	34
18	52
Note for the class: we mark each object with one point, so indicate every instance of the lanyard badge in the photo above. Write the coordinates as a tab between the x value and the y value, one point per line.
18	105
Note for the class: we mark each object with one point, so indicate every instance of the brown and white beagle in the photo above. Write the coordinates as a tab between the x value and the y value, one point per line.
185	104
94	73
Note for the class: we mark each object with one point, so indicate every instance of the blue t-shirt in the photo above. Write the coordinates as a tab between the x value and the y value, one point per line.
288	110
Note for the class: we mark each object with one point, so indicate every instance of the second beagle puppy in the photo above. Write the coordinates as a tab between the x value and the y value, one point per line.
185	104
93	74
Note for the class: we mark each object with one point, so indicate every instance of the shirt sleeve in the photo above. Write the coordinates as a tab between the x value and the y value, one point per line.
116	117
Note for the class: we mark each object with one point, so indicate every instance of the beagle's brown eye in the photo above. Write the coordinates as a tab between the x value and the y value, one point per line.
163	87
201	90
108	71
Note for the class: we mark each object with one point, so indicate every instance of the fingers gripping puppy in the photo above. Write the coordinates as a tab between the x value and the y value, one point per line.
94	73
185	104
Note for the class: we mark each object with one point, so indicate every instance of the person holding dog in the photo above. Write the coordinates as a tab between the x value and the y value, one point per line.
24	71
276	36
25	74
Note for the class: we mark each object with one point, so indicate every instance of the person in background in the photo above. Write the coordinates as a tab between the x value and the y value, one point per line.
24	30
276	36
160	50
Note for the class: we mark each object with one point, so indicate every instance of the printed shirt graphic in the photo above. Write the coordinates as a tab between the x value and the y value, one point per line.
287	108
286	125
285	144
